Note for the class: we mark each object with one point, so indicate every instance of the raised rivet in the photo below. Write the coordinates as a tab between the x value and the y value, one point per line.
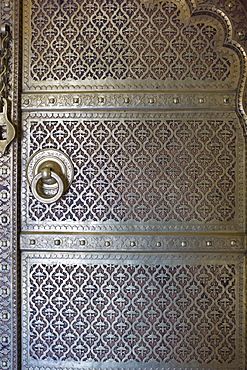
4	195
183	243
51	100
126	100
233	242
5	171
57	242
32	241
82	242
4	219
132	244
151	101
4	291
175	100
208	243
4	267
201	100
26	102
101	99
241	34
5	315
5	339
158	244
76	100
4	243
226	100
6	4
107	243
4	364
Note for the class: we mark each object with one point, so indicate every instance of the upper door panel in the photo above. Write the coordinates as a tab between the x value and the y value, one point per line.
125	44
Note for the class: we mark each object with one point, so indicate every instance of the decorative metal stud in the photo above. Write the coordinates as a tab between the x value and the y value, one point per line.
4	267
51	100
4	219
5	171
132	244
4	243
82	242
4	363
5	315
4	291
175	100
183	243
230	5
151	101
57	242
233	242
241	34
76	100
101	99
201	100
107	243
4	195
26	102
126	100
226	100
5	339
158	244
208	243
32	241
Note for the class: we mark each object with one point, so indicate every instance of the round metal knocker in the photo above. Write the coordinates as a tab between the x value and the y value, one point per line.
49	174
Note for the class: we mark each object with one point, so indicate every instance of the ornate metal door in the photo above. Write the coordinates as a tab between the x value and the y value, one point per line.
132	185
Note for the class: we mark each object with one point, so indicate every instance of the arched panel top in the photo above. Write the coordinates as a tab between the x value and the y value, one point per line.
127	44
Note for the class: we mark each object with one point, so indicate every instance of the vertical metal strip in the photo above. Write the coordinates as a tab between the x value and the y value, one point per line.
10	15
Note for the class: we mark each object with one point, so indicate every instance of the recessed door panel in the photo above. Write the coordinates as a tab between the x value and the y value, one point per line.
132	236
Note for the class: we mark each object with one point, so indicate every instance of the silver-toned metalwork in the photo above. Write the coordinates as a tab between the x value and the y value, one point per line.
138	243
113	119
49	174
132	311
160	171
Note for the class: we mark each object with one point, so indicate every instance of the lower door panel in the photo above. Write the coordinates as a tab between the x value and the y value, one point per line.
131	310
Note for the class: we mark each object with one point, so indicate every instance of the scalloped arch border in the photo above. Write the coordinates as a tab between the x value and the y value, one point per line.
235	46
229	42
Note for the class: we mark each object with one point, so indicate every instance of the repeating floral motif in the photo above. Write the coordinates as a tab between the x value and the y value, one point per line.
8	346
85	39
160	312
141	168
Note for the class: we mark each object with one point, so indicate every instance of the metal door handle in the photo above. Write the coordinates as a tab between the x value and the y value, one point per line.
49	174
46	174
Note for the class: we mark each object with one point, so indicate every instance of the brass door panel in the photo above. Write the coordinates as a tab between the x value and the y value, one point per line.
140	263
